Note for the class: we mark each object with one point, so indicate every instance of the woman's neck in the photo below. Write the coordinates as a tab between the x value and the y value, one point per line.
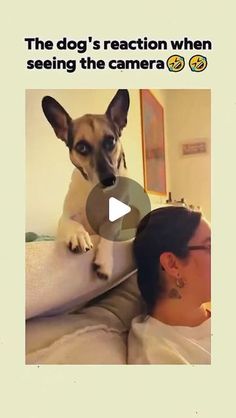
177	312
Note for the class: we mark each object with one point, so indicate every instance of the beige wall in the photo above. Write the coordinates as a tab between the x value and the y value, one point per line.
188	119
48	169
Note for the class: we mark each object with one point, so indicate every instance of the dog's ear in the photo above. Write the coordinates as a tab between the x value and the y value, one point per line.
57	117
118	109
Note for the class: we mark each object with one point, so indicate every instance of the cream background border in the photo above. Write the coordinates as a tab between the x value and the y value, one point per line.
165	391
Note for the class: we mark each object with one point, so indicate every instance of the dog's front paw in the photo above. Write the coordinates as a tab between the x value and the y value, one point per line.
100	272
75	236
103	268
76	249
79	241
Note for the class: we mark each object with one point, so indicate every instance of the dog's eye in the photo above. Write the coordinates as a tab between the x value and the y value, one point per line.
109	143
83	148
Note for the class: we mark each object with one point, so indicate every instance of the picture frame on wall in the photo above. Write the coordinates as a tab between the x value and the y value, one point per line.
153	144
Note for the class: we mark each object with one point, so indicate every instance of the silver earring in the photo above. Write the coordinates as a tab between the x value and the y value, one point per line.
179	282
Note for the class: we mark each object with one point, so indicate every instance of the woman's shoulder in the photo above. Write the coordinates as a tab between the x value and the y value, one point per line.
153	342
148	344
149	324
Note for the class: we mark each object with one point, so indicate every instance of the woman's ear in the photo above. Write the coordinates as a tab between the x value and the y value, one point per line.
169	263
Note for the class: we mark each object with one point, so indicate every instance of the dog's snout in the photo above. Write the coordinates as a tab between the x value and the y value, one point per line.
105	169
109	181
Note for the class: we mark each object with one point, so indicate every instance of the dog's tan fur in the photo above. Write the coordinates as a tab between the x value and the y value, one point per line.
92	128
93	133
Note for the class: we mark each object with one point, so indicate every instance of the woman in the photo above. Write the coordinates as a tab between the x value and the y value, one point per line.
172	249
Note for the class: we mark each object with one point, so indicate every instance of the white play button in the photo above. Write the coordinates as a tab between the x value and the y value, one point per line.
117	209
125	203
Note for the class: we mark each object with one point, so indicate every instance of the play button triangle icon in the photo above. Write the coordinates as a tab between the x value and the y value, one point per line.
117	209
114	212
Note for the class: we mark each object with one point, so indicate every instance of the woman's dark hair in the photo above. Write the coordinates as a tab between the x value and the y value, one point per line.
165	229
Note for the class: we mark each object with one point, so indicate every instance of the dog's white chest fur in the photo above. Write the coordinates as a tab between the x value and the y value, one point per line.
76	198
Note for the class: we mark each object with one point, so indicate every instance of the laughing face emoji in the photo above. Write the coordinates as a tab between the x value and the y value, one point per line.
175	63
198	63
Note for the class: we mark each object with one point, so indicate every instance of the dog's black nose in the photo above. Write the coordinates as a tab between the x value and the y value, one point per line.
109	181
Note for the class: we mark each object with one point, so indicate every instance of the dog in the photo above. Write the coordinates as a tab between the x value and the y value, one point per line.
96	151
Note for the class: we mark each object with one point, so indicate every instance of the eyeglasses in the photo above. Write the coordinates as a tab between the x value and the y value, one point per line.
206	247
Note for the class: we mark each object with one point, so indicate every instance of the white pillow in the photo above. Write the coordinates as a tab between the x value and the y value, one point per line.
58	280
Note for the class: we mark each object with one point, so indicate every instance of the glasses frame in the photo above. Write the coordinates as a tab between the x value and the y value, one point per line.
206	247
